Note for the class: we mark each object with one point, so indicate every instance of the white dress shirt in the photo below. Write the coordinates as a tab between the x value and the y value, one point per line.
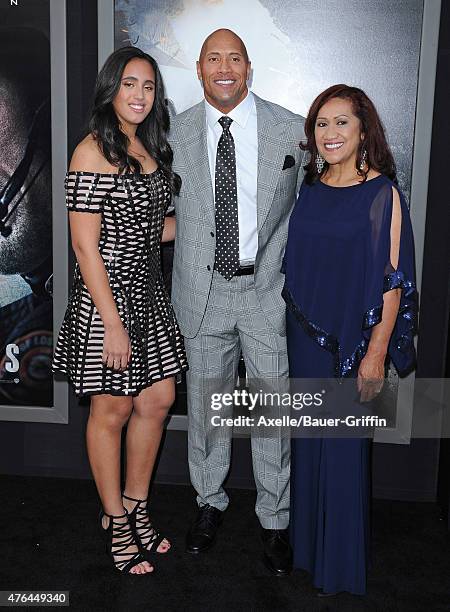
245	135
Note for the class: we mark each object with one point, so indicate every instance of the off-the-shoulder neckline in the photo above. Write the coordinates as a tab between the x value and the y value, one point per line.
112	174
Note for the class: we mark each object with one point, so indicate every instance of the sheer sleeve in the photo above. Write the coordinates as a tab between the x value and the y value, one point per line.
86	191
285	255
383	276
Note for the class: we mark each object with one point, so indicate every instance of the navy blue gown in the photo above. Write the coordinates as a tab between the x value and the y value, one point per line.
337	266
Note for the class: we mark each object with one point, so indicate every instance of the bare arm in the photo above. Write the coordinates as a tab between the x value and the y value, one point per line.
85	235
371	369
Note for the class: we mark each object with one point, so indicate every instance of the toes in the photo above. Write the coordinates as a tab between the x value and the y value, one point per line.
142	568
164	546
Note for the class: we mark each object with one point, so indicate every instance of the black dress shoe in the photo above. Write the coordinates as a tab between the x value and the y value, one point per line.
202	534
277	551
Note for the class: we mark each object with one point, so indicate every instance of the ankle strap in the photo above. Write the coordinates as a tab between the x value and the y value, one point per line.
115	516
139	501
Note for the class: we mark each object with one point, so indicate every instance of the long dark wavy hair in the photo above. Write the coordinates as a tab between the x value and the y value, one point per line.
105	127
378	153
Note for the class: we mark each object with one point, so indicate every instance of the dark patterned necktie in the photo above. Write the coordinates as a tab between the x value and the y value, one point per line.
227	226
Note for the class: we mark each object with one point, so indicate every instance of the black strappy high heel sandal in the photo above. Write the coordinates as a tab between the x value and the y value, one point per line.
123	533
144	531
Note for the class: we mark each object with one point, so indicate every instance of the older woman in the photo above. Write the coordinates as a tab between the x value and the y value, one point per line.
350	295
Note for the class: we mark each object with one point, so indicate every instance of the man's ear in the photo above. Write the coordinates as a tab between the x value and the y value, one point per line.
199	72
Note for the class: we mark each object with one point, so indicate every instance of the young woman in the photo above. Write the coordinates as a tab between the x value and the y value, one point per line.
119	342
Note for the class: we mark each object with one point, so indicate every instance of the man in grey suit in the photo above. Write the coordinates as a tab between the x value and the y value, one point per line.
240	163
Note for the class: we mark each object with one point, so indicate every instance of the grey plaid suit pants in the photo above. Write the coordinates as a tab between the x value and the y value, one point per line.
234	322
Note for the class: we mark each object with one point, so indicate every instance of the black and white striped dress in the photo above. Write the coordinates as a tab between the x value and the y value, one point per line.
132	208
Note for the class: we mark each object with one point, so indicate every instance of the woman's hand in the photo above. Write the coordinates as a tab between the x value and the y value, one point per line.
116	347
371	376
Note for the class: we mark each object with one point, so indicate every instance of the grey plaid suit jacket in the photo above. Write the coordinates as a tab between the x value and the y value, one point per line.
279	134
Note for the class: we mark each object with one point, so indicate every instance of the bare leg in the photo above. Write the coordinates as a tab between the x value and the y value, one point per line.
108	415
144	433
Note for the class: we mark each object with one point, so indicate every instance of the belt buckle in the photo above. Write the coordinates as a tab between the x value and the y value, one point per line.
245	270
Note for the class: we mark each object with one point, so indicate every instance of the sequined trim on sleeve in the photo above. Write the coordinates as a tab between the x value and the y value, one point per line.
404	343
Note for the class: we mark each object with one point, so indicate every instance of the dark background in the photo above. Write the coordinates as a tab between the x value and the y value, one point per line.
418	472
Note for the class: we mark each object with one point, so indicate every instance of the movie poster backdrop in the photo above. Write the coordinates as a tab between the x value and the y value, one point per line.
26	316
297	49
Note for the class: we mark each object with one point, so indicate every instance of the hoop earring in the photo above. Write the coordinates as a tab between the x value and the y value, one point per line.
320	162
362	163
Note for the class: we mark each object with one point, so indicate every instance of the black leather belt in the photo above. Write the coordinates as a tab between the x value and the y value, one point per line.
244	270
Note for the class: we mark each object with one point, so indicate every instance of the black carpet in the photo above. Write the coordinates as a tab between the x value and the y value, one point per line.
50	541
